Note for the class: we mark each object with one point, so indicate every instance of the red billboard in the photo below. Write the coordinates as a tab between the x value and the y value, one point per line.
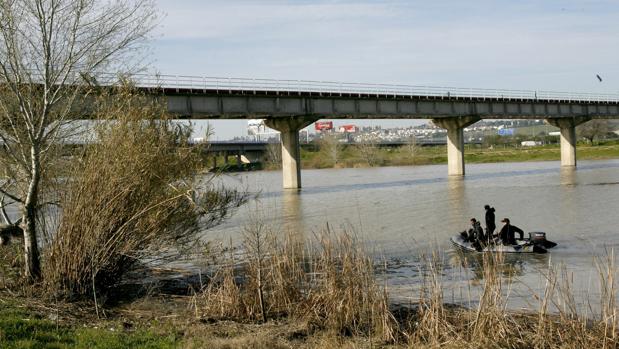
323	125
348	128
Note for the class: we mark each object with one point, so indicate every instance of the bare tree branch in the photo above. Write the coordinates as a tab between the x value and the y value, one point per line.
46	46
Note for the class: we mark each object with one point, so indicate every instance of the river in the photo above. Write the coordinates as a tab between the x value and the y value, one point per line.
404	212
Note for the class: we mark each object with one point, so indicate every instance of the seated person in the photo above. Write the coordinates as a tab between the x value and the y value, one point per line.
508	232
476	231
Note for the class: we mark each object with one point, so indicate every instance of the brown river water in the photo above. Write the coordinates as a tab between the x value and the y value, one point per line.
402	213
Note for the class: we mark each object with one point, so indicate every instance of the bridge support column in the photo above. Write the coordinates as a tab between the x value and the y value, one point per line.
291	154
455	141
568	137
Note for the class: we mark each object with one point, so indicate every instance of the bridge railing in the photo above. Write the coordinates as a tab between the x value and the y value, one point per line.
197	84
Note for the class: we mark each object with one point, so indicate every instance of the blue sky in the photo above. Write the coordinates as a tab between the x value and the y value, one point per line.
542	45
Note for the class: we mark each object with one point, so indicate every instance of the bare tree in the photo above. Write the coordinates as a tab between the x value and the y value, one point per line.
412	147
330	147
370	152
593	128
274	155
51	53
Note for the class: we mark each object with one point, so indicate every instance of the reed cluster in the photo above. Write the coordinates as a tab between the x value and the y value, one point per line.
133	197
560	320
327	281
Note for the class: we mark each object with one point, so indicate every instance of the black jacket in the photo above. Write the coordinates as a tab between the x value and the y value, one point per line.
490	225
508	234
476	232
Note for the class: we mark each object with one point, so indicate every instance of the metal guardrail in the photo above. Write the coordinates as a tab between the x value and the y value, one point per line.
197	84
205	83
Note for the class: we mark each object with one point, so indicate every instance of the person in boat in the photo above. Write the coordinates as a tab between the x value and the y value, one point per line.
475	231
508	233
476	234
490	220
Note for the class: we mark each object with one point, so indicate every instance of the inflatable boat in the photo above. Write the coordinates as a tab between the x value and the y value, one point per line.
536	243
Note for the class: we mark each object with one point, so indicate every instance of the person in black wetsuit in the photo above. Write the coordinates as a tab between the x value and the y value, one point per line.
490	225
476	233
508	233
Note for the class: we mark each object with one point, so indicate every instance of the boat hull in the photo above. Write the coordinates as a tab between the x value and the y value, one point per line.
522	246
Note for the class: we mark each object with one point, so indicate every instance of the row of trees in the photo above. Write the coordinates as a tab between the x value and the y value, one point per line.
596	129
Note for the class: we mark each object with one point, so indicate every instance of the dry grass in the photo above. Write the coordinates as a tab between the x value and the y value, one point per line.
11	262
330	285
327	282
341	305
560	321
132	197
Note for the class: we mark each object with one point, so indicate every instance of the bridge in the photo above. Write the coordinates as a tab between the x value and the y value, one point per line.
290	105
254	151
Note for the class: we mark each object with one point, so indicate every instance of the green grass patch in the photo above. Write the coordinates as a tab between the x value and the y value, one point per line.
20	328
351	156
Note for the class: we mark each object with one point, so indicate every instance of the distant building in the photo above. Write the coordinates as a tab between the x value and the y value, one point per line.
257	129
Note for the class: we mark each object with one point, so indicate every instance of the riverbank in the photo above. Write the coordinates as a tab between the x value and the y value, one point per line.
155	322
227	315
168	321
374	156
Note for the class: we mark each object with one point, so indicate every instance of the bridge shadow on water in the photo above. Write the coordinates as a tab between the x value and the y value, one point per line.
567	178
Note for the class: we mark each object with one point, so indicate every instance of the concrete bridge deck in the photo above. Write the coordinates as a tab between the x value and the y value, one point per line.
243	104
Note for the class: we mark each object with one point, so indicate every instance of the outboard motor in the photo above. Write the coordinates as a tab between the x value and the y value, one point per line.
538	238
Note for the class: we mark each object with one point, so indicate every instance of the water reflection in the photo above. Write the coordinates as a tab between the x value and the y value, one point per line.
292	219
507	265
456	206
568	176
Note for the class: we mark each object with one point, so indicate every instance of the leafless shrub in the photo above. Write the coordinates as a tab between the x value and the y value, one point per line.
331	148
273	155
593	129
51	55
370	152
412	147
133	197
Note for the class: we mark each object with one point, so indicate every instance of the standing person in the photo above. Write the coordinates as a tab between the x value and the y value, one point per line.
490	225
508	233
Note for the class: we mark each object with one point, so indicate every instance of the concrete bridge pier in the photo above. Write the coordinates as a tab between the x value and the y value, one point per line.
291	154
455	141
568	137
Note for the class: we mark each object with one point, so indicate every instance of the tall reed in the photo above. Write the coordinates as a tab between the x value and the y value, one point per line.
331	284
133	196
327	281
561	320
